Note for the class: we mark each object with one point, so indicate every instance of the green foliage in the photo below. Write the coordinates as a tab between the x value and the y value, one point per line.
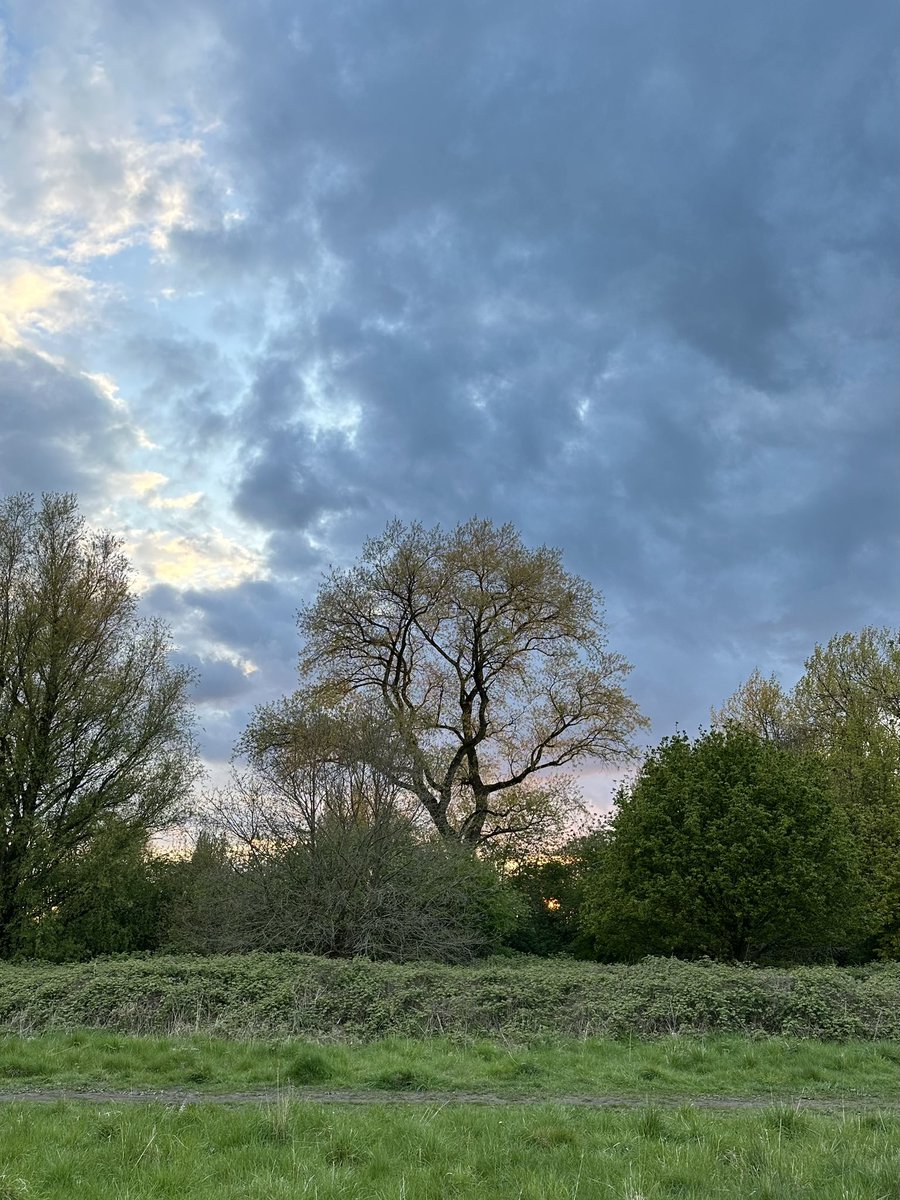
846	707
322	851
111	899
551	890
728	846
317	998
356	890
94	720
848	701
205	895
760	706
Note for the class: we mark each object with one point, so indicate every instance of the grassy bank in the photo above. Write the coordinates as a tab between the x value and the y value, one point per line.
776	1069
263	995
382	1153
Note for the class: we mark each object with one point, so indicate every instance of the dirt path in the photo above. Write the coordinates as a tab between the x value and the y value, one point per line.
348	1096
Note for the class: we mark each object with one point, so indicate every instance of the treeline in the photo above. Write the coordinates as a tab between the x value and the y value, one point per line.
414	798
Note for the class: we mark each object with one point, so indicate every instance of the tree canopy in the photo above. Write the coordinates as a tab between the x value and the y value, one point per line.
846	707
491	663
730	846
94	719
761	706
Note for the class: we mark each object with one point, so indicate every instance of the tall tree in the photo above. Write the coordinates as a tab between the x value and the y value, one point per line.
848	704
846	707
490	661
729	846
761	706
94	720
855	675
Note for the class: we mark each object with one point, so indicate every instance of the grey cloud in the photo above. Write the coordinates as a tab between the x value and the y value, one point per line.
189	384
253	621
58	432
622	273
216	679
603	137
284	488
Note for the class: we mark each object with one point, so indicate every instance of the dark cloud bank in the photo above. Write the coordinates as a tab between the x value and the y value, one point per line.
624	274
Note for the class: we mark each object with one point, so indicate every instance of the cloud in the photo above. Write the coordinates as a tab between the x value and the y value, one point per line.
37	300
569	269
254	619
624	274
144	482
59	432
147	485
88	173
241	640
189	500
219	680
207	559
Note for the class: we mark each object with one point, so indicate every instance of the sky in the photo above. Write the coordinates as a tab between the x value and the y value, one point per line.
624	274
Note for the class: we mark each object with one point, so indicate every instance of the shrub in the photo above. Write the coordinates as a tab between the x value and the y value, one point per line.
330	999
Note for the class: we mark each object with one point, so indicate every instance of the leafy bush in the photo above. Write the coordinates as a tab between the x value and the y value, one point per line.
375	890
730	846
330	999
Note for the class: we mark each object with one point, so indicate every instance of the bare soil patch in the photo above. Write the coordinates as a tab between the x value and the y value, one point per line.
309	1095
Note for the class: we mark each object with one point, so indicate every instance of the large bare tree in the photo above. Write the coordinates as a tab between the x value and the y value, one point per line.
491	663
94	720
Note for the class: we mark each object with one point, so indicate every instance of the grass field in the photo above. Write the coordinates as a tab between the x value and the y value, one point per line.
658	1034
385	1153
780	1069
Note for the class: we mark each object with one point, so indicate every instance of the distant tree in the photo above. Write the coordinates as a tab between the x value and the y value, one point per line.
729	846
206	899
763	707
489	661
551	890
94	720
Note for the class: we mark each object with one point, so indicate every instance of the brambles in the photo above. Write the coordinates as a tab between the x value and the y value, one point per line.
279	994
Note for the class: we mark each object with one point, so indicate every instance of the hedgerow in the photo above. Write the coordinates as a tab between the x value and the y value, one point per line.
259	995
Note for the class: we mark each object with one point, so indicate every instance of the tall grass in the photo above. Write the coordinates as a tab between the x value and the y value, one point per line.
388	1153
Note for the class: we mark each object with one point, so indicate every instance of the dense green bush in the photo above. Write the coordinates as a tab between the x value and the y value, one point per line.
109	898
730	846
330	999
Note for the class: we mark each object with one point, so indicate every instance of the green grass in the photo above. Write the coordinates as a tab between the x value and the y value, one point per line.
388	1153
724	1065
